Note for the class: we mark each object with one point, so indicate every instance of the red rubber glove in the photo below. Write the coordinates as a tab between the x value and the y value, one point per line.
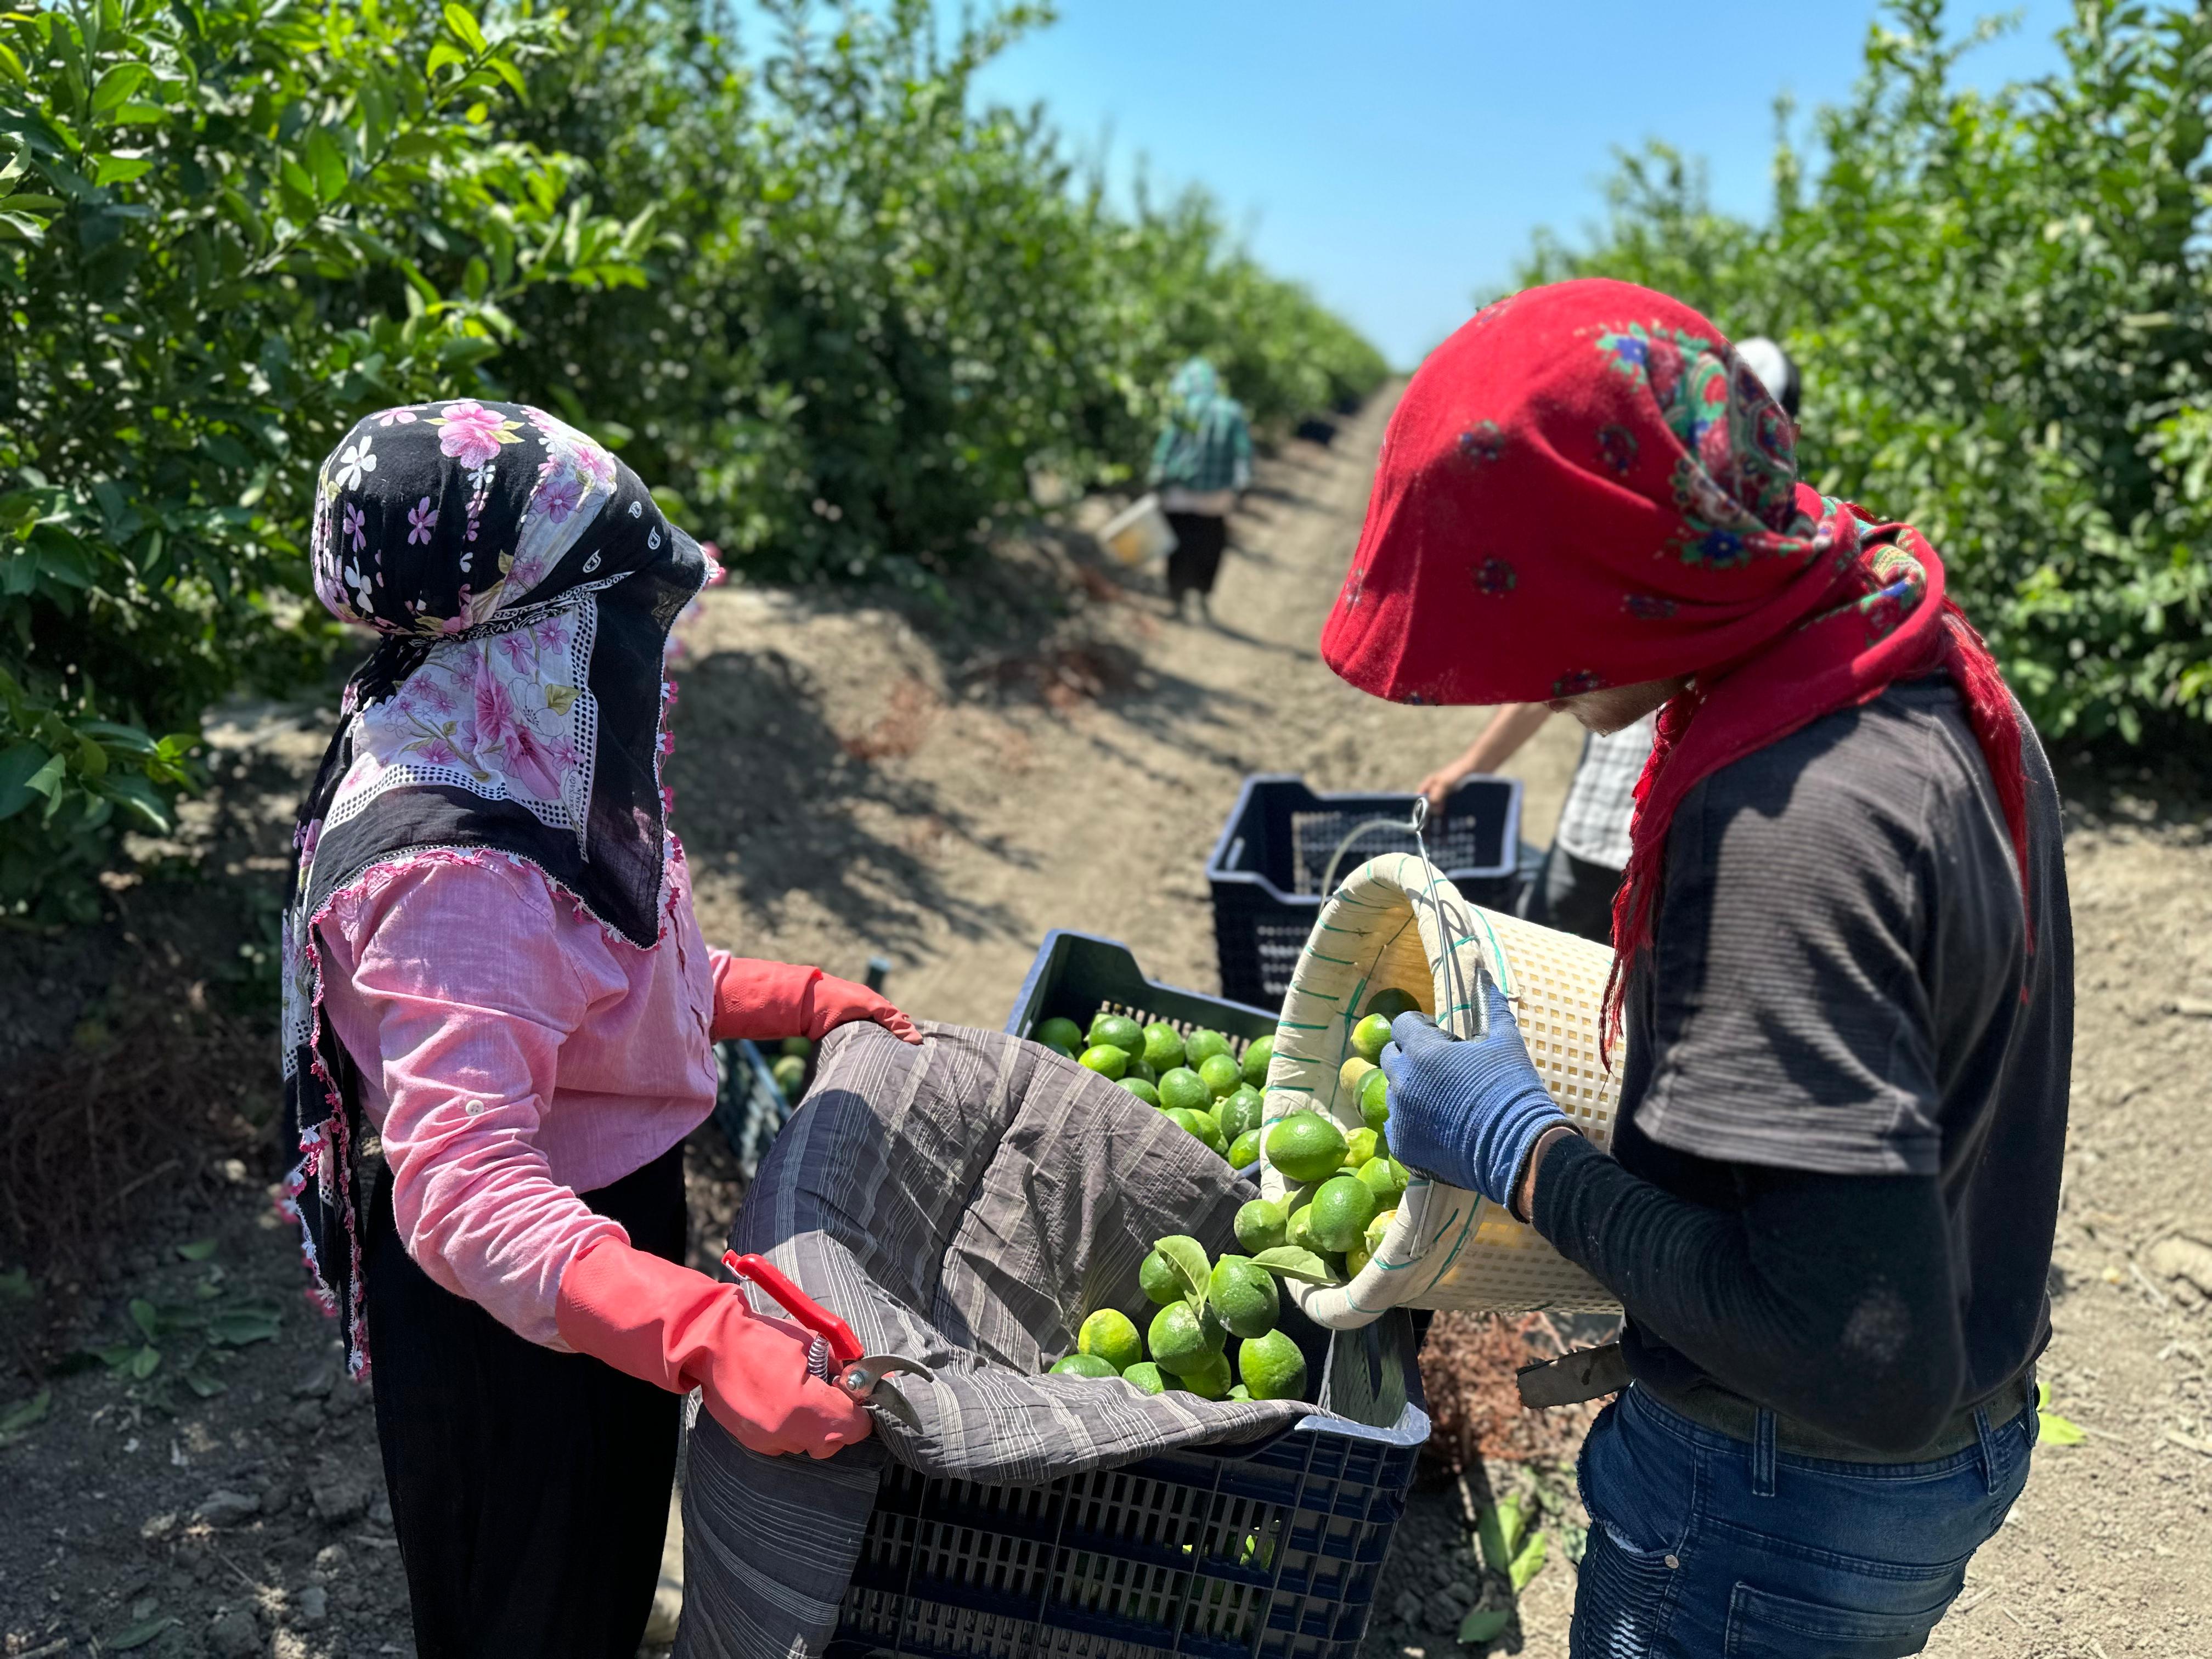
768	1000
681	1330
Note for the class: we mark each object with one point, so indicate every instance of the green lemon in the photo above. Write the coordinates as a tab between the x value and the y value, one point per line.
1142	1089
1306	1146
1272	1368
1240	1392
1202	1043
1221	1075
1353	1072
1181	1086
1060	1033
1256	1059
1210	1379
1299	1231
1083	1365
1120	1031
1244	1150
1112	1335
1162	1046
1242	1295
1200	1124
1142	1073
1390	1002
1375	1100
1356	1260
1106	1059
1341	1210
1180	1340
1385	1177
1148	1378
1261	1225
1358	1147
798	1046
1243	1108
1378	1229
1160	1281
1369	1036
790	1074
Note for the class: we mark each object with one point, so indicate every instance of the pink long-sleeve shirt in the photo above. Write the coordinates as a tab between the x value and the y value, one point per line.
511	1056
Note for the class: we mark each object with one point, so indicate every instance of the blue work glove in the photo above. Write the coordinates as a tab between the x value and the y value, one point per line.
1465	1111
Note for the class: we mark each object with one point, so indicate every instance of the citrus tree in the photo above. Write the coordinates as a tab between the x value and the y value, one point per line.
1998	303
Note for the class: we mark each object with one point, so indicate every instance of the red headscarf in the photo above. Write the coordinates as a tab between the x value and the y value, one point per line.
1585	487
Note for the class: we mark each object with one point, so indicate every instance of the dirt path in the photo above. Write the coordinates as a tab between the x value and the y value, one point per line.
975	821
942	786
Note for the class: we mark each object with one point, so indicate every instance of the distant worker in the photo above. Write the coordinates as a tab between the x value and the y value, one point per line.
1201	462
1574	888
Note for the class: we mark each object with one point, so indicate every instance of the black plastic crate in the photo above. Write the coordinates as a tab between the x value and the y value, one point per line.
1270	870
1078	975
1266	1551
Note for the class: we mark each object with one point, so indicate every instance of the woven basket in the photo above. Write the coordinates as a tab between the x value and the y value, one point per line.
1398	922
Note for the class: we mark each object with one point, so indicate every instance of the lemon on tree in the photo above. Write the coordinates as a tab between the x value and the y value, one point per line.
1162	1046
1261	1225
1106	1059
1062	1033
1112	1335
1306	1146
1272	1367
1341	1210
1242	1296
1083	1365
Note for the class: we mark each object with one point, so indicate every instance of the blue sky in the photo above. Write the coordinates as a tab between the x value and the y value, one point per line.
1396	155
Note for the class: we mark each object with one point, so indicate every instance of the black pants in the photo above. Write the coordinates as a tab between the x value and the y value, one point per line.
529	1488
1196	561
1573	895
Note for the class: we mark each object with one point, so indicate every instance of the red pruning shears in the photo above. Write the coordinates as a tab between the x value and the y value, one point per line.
835	1355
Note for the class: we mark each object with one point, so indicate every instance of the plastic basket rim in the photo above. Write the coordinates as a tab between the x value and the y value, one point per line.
1218	857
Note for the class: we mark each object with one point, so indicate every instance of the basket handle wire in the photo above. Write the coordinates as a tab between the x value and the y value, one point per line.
1455	985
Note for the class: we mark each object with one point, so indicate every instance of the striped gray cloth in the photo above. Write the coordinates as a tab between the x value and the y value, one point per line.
965	1203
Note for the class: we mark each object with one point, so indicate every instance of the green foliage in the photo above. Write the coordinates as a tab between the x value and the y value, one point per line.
884	309
1998	303
229	229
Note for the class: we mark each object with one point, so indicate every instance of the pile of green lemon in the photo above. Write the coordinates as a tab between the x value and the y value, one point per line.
1201	1304
1197	1080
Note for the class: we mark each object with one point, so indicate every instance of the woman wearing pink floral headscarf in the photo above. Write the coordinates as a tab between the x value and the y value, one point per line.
492	963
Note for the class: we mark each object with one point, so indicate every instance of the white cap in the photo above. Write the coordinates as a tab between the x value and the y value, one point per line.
1769	361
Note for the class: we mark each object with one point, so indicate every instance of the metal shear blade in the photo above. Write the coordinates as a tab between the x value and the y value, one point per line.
861	1379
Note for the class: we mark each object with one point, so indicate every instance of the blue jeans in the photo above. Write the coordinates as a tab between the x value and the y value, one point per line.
1703	1546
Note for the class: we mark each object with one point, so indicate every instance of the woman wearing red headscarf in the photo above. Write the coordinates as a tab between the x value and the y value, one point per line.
1843	966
